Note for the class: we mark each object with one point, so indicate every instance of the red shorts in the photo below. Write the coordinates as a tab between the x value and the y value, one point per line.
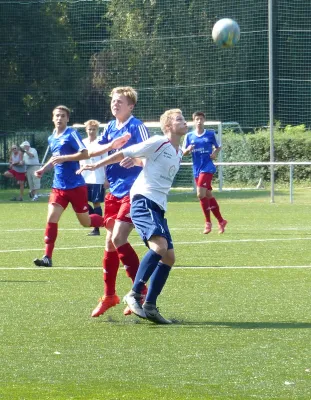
19	176
204	180
77	197
117	209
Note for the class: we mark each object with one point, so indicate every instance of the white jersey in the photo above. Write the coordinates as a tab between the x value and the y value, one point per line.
99	175
161	164
31	160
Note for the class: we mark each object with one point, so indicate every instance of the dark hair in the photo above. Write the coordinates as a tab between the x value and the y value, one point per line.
63	108
198	114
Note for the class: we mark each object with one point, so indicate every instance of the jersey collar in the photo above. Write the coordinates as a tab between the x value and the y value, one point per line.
122	124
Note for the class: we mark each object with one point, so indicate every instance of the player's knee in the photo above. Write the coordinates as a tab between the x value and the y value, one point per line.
170	260
118	240
200	196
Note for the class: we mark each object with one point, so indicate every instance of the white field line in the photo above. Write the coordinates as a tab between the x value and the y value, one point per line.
185	227
175	268
204	242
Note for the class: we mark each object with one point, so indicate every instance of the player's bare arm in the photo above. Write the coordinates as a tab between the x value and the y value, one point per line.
188	150
215	153
46	167
112	159
81	155
113	145
129	162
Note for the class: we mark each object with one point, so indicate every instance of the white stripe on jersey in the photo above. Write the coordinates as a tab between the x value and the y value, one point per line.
80	143
143	132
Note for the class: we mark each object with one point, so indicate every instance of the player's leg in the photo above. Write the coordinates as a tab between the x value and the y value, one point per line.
96	194
110	264
78	198
158	280
214	206
152	227
156	284
127	255
122	228
57	205
204	202
110	260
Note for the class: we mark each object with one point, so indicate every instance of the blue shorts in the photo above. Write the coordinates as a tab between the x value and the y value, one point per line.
95	193
149	220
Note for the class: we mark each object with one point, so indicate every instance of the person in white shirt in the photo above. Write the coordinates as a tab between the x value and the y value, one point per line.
95	180
160	157
31	161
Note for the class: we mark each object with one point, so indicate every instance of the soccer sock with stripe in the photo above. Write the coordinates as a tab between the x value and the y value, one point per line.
50	238
130	260
215	209
205	205
157	282
110	271
147	265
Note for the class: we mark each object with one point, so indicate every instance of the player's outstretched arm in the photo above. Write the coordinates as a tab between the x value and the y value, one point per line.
129	162
112	159
81	155
114	144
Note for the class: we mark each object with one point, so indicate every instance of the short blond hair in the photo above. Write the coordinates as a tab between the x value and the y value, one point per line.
166	117
63	108
127	91
92	122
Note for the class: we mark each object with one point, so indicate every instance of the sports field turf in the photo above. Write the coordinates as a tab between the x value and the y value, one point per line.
240	301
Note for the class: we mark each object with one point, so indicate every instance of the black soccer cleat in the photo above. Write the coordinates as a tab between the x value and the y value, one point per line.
45	261
94	232
152	314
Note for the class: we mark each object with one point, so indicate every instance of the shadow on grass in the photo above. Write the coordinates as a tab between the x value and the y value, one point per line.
246	325
226	194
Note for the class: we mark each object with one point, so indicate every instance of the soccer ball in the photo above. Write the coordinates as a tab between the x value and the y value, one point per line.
226	33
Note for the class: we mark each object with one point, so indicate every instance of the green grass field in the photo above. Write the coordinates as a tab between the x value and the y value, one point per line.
241	302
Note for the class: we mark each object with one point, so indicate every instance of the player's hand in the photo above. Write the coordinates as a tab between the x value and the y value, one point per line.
128	162
120	141
39	173
190	148
86	167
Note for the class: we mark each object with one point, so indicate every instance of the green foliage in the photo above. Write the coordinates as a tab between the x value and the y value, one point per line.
293	143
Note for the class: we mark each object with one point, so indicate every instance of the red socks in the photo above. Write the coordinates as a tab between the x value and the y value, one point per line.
129	259
215	209
96	221
127	255
50	238
110	271
205	205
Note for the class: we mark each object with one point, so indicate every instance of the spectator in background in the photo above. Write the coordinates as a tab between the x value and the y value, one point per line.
203	146
17	170
31	161
95	180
